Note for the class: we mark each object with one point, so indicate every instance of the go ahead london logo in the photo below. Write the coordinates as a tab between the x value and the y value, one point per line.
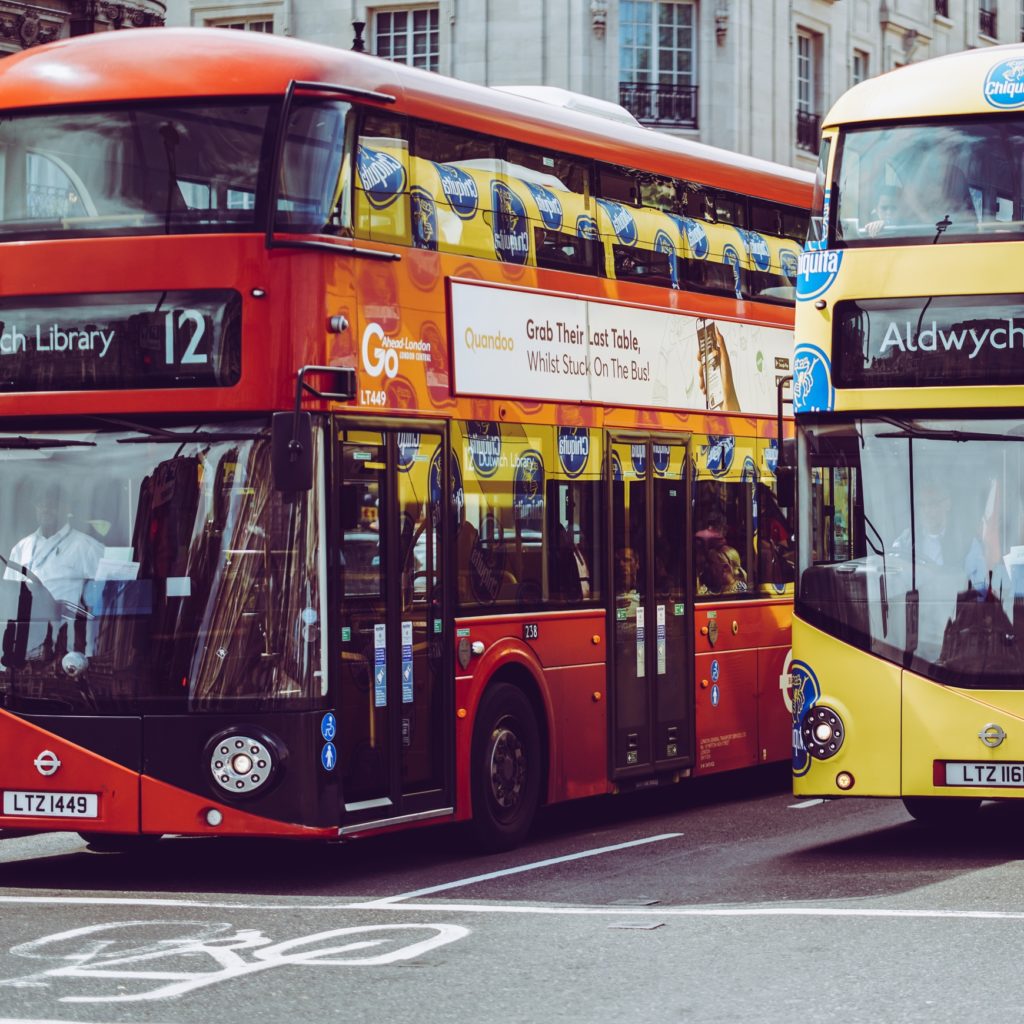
1004	85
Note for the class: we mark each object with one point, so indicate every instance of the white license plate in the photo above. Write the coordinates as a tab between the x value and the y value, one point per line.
51	805
985	773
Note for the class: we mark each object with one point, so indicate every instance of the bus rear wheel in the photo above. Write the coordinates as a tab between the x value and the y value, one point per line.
506	769
941	811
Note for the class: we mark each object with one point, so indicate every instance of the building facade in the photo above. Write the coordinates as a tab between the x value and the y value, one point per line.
23	25
755	76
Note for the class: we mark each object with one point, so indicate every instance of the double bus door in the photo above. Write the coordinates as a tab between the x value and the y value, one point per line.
394	695
651	667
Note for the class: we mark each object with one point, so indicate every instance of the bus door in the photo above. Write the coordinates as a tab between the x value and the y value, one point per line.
651	669
394	685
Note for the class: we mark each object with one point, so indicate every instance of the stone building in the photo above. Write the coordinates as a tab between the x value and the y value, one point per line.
749	75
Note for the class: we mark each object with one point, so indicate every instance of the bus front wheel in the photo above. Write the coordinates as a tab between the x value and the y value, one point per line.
941	811
506	768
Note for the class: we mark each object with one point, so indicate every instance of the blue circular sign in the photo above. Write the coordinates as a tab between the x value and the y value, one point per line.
758	250
1004	85
817	270
329	757
328	727
548	205
622	220
459	189
484	440
586	227
573	449
424	219
696	237
638	456
720	451
528	486
511	227
714	671
382	177
812	380
716	695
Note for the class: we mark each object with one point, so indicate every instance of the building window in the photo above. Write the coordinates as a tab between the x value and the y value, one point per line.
658	61
408	37
808	120
259	24
987	18
860	66
942	8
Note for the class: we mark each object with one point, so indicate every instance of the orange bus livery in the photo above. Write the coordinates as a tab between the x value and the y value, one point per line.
377	449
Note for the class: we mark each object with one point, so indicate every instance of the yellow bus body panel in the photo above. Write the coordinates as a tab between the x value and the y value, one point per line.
865	692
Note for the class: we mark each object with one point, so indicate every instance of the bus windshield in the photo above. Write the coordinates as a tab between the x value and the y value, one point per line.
169	169
931	182
155	569
916	551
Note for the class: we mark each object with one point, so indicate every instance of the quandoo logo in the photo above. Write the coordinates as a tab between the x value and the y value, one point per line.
424	219
459	189
484	440
1004	85
812	380
622	221
757	249
573	449
548	204
511	230
382	177
816	271
806	693
378	358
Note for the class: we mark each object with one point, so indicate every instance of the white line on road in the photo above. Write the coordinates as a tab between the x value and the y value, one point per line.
490	908
535	866
807	803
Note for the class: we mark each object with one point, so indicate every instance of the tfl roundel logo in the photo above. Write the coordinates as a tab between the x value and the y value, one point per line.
812	380
1004	85
817	269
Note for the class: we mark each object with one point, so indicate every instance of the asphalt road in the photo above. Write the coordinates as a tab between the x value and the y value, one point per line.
722	900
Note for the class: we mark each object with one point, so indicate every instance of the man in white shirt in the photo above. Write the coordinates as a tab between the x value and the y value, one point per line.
62	557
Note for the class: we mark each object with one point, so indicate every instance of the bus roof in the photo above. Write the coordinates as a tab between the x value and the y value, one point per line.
955	84
169	63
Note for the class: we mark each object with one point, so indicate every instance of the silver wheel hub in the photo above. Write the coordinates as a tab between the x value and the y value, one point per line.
507	768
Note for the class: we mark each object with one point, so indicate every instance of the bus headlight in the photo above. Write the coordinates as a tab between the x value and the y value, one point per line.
822	731
244	764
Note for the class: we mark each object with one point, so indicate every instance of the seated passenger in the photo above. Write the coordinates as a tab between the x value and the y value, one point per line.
723	572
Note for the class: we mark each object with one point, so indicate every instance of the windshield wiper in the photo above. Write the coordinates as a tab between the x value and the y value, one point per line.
164	434
960	436
35	443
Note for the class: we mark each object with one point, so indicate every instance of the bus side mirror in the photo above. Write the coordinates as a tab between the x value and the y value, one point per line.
785	485
291	451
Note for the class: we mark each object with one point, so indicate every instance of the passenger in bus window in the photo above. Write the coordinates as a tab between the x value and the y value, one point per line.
627	580
723	572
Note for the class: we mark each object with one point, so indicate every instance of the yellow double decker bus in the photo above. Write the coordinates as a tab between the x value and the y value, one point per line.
908	638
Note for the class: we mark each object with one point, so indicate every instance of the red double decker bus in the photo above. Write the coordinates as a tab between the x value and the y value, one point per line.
376	449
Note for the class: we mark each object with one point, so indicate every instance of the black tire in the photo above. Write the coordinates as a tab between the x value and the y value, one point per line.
942	811
506	769
113	842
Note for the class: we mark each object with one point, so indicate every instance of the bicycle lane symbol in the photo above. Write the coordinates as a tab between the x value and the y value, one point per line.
156	962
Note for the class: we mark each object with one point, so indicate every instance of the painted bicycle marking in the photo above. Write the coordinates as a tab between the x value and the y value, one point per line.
161	956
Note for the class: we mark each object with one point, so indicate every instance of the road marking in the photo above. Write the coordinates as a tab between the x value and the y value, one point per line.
807	803
535	866
486	908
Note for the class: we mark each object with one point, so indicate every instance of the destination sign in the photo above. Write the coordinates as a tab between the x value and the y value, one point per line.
172	339
948	341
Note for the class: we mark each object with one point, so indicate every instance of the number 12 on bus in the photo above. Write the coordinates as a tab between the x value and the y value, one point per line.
378	470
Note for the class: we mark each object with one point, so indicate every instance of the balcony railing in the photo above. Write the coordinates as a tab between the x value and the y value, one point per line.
987	23
942	8
808	127
667	106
